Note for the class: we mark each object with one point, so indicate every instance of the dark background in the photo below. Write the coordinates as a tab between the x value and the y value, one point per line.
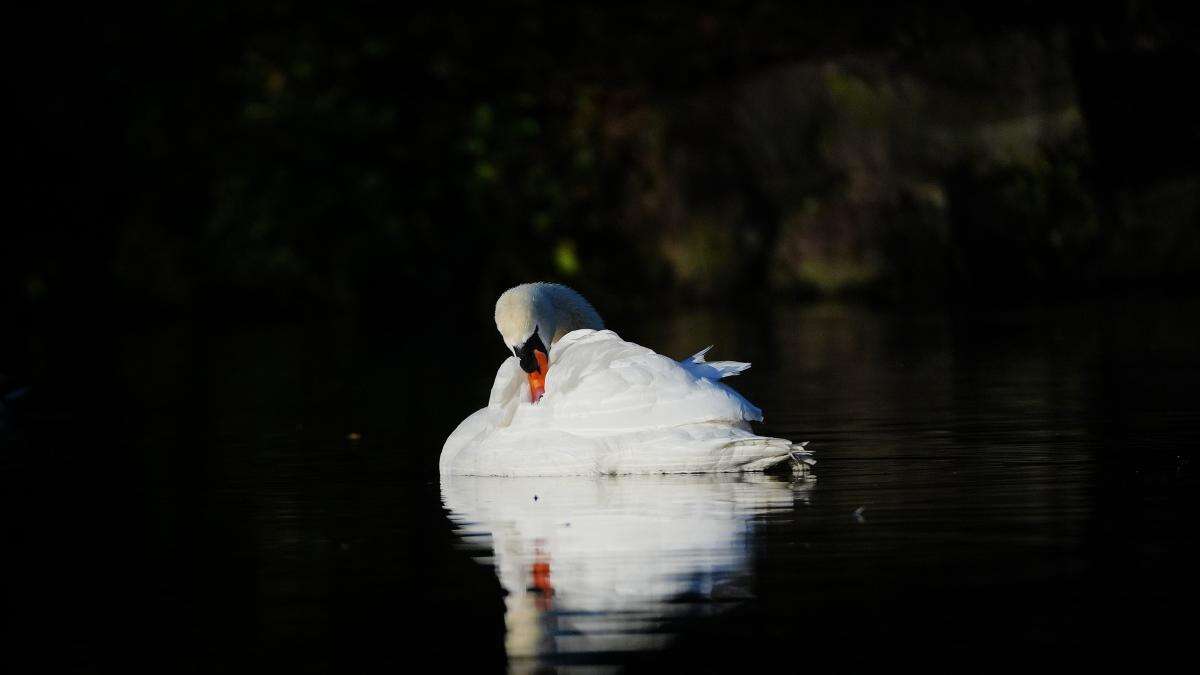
278	159
207	195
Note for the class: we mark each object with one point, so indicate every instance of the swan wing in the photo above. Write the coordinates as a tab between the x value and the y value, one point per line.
695	448
598	383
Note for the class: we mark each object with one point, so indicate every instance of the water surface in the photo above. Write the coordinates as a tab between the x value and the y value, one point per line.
999	489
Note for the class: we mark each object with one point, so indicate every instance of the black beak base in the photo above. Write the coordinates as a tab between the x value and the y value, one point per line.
525	352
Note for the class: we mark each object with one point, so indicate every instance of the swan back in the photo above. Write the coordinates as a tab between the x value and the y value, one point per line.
552	309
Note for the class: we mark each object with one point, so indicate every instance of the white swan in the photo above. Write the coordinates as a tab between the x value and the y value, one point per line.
593	403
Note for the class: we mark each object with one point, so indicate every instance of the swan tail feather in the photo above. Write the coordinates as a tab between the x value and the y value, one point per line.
713	370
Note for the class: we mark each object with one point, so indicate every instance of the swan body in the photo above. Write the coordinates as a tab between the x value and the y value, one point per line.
609	406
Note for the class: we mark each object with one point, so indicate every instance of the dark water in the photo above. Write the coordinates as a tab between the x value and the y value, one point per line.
1012	488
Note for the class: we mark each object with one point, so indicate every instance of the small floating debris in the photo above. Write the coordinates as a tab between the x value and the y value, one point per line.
354	436
858	514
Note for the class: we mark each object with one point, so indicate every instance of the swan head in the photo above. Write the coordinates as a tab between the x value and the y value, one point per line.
532	317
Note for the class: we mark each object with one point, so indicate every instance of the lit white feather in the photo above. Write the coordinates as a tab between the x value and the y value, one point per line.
553	309
613	407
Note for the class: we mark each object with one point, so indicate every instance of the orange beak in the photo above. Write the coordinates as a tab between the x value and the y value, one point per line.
537	379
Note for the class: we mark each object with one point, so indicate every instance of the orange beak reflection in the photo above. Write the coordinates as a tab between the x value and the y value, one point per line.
537	379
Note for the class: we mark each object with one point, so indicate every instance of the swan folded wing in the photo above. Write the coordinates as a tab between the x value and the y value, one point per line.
510	389
599	383
696	448
693	448
469	433
506	395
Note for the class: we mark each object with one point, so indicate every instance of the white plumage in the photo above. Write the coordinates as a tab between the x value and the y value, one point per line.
553	309
610	407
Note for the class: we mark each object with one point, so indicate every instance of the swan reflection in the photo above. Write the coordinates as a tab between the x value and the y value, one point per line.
597	566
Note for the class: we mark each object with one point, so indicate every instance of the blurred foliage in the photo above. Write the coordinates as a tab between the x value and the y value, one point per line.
276	157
